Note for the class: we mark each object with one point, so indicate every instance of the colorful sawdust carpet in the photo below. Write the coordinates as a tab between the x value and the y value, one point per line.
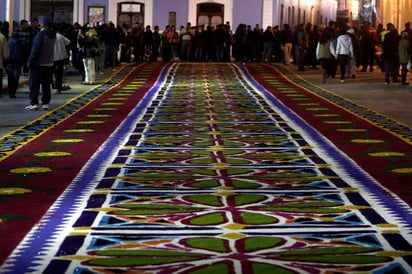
211	171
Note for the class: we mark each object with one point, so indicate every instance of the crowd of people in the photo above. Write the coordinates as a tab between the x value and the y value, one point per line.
92	48
368	47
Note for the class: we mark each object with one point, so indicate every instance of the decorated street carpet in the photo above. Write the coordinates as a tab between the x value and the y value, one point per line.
207	168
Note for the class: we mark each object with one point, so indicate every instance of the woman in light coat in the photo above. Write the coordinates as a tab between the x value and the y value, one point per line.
60	58
404	56
4	53
325	53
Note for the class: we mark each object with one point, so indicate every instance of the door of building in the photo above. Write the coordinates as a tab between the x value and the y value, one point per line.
57	10
130	13
210	14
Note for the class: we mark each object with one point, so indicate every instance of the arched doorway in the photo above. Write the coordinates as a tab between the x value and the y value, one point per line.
210	14
130	13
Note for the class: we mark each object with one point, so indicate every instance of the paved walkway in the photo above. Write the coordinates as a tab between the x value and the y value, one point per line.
13	115
367	89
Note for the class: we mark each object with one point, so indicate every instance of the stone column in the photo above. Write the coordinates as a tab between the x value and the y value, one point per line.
267	14
9	14
78	11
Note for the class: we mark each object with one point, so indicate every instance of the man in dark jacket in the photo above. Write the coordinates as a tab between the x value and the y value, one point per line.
390	53
41	65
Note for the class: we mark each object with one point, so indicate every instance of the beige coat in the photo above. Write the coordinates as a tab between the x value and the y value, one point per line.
4	49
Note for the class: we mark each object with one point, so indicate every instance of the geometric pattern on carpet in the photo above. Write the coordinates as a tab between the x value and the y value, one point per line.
381	146
218	175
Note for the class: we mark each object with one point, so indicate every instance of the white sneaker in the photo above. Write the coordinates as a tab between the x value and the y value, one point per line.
45	107
32	107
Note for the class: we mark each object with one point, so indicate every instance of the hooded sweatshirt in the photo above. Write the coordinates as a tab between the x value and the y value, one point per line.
344	45
42	51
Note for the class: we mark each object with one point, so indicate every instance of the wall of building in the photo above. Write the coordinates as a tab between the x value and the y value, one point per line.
236	11
244	12
163	7
275	13
3	11
397	13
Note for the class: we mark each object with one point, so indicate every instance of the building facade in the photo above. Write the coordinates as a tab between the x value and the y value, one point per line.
210	12
173	12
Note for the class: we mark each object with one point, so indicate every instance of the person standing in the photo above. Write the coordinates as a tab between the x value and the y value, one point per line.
165	47
26	35
408	29
14	63
148	43
172	36
186	43
41	65
344	51
286	38
403	47
390	53
313	39
61	57
325	53
219	35
101	50
89	44
351	68
301	46
112	42
369	39
4	53
268	40
157	40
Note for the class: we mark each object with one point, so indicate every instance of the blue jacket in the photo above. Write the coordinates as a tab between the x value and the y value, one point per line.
17	52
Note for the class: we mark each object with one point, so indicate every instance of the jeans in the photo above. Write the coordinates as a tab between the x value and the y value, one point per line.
58	73
40	76
220	50
13	73
404	72
350	67
267	51
111	56
343	62
389	64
